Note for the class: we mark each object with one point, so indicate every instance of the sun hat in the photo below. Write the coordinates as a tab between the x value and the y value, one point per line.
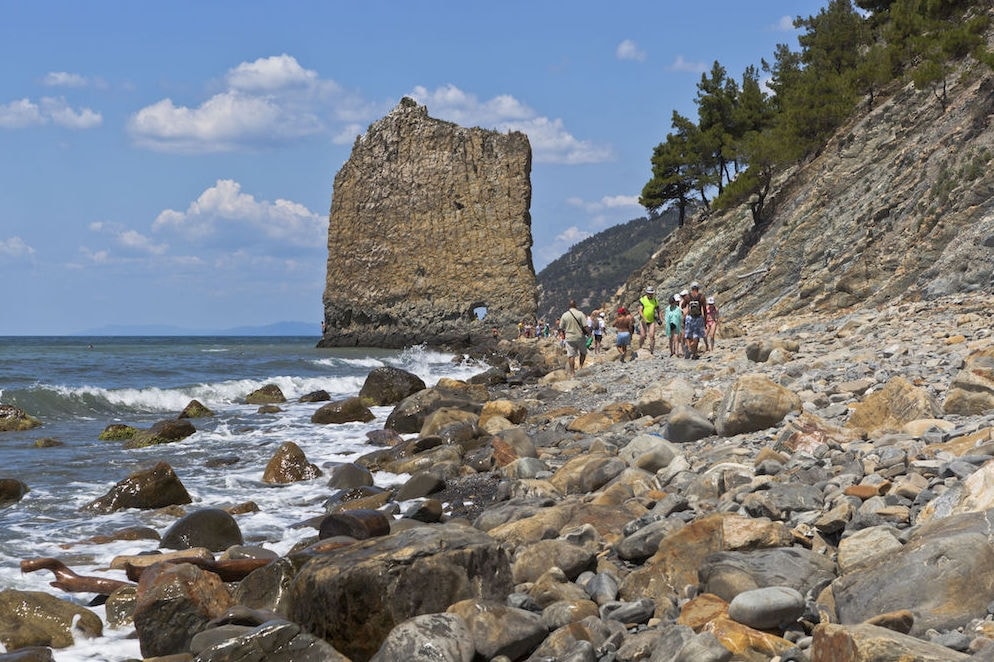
695	285
676	297
650	290
684	293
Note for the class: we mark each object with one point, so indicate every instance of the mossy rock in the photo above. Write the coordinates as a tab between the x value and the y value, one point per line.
268	394
14	419
163	432
48	442
118	432
196	409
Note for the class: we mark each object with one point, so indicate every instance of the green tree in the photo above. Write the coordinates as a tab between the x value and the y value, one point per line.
716	99
677	170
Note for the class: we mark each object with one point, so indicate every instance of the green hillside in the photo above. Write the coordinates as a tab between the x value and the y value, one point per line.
593	270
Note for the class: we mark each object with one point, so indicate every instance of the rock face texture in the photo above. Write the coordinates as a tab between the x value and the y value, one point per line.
429	225
899	205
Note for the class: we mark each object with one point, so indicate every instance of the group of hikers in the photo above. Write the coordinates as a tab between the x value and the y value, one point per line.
689	320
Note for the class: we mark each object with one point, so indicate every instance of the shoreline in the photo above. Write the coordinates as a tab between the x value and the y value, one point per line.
574	485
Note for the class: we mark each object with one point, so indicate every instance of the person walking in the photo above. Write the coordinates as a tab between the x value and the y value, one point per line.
624	324
693	306
710	324
648	317
575	337
673	321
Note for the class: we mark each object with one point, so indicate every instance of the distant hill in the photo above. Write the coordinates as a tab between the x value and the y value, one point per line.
276	329
593	270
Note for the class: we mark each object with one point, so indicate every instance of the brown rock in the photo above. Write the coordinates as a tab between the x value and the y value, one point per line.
754	402
869	643
388	386
599	421
342	411
11	491
195	409
289	465
175	602
33	618
972	390
266	395
157	487
163	432
433	190
890	408
13	419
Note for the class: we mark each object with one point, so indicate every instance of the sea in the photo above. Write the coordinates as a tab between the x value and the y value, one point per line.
77	386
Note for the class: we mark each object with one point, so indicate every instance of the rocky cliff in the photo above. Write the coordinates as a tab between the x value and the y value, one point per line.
898	205
429	227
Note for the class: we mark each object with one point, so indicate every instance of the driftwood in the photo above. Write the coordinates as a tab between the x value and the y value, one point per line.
69	581
230	570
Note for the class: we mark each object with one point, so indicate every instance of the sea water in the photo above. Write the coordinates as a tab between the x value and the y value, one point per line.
77	386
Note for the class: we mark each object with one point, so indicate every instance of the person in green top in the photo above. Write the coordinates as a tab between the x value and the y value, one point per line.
648	318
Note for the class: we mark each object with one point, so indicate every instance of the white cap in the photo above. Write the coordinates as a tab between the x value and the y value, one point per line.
710	299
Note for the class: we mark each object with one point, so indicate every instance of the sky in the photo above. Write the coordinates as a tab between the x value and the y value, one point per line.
172	163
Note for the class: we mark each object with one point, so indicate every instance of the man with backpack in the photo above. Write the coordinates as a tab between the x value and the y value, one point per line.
693	307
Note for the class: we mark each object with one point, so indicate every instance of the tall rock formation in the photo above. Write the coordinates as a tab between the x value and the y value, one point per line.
899	204
429	226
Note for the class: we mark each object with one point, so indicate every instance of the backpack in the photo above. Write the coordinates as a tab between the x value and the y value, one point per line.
694	308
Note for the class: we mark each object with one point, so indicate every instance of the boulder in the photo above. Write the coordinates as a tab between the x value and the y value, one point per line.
428	638
755	402
972	390
388	386
272	641
163	432
33	618
268	394
587	473
767	608
499	629
599	421
316	396
953	557
870	643
157	487
11	491
513	412
660	398
289	465
343	411
14	419
358	523
117	432
382	582
533	560
349	475
195	409
410	414
899	402
211	528
175	602
451	420
686	424
727	574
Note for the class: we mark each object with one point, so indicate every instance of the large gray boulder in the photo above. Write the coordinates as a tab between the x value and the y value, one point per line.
388	386
377	584
156	487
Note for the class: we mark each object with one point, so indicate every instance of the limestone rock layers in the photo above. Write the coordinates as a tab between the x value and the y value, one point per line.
429	225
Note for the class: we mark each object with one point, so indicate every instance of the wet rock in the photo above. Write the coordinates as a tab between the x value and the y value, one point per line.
268	394
767	608
117	432
342	411
11	491
163	432
272	641
211	528
316	396
14	419
156	487
289	465
388	385
175	602
196	409
498	629
33	618
347	476
409	415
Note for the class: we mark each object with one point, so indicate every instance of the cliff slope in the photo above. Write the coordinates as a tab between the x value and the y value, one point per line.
898	205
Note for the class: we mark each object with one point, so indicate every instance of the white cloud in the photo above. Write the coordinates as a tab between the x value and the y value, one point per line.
63	79
550	141
137	241
629	50
225	210
15	247
606	202
572	235
271	74
785	24
680	64
24	113
267	102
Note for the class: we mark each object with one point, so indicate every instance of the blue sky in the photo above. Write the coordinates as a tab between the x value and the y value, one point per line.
172	163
